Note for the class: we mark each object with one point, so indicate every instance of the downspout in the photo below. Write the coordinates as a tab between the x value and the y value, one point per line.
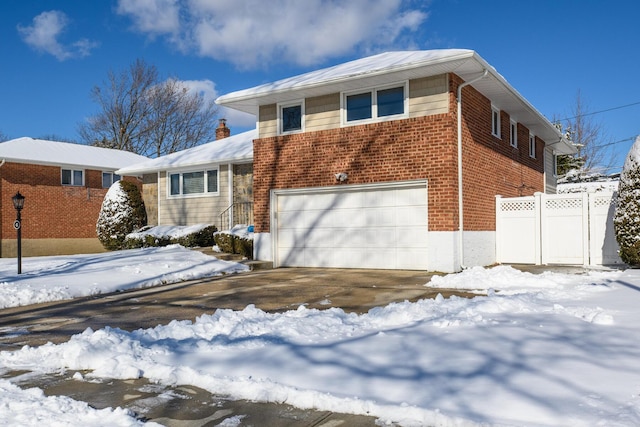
158	196
460	201
1	164
230	189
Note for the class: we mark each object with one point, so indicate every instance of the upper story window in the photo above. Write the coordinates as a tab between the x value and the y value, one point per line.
382	103
495	121
532	146
291	117
194	183
513	133
72	177
108	178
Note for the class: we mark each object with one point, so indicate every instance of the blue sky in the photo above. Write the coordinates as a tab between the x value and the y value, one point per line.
54	52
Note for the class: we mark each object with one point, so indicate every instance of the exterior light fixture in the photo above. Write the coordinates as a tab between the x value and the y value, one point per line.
341	177
18	203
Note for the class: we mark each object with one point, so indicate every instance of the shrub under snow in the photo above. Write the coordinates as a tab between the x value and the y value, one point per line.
122	212
627	215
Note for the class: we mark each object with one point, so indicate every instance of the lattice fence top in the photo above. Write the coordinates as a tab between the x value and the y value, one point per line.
604	201
563	204
517	205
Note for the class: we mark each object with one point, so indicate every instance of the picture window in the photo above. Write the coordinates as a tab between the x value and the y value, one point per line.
72	177
108	178
381	103
193	183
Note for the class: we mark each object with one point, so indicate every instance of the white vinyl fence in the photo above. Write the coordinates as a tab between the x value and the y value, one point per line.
571	229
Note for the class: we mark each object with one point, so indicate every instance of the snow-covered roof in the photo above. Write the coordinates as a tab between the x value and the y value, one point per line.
44	152
391	67
236	148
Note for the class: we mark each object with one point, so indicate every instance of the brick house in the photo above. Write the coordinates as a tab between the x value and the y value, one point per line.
358	165
207	184
64	185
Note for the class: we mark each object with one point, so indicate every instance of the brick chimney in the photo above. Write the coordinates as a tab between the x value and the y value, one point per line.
222	131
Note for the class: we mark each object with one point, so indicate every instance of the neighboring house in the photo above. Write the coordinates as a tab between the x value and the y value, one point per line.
357	165
210	183
64	185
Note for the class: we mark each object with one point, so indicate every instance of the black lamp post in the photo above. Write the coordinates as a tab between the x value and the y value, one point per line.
18	203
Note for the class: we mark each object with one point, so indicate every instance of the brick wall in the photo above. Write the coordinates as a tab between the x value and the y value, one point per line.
491	166
51	211
415	148
398	150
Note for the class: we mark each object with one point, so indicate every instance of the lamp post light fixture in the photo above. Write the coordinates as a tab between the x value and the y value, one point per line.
18	203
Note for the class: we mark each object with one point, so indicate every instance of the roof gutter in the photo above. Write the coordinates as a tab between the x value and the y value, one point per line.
460	195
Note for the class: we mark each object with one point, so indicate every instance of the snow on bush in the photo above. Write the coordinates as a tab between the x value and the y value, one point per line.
199	235
626	219
238	240
122	212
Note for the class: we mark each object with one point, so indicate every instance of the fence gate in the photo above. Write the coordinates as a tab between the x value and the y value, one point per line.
572	229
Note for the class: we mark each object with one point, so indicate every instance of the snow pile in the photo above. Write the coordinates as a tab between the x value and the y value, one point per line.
56	278
548	350
240	230
168	231
32	408
588	187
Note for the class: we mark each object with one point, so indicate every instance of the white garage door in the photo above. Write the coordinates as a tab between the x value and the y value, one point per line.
381	226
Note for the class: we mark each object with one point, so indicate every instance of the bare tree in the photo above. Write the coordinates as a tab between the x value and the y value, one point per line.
595	155
145	116
178	119
3	137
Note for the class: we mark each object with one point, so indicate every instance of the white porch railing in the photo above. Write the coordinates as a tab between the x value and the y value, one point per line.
572	229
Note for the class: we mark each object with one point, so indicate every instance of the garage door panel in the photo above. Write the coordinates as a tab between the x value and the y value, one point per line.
353	228
337	218
412	259
292	237
292	203
380	216
322	238
291	219
378	198
410	196
292	257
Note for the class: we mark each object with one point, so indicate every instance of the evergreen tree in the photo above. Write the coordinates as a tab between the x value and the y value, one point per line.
627	215
122	212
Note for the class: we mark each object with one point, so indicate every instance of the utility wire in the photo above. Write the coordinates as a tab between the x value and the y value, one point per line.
601	111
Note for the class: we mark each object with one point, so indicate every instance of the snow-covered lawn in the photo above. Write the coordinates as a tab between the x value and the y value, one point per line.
530	350
64	277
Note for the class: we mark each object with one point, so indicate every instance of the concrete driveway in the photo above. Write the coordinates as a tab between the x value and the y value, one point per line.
270	290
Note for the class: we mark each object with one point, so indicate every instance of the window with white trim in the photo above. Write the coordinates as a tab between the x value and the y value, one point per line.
376	104
108	178
193	183
532	146
495	121
72	177
513	133
291	117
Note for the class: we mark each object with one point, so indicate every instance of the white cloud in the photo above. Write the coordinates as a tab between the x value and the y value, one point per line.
207	89
45	31
251	33
152	16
